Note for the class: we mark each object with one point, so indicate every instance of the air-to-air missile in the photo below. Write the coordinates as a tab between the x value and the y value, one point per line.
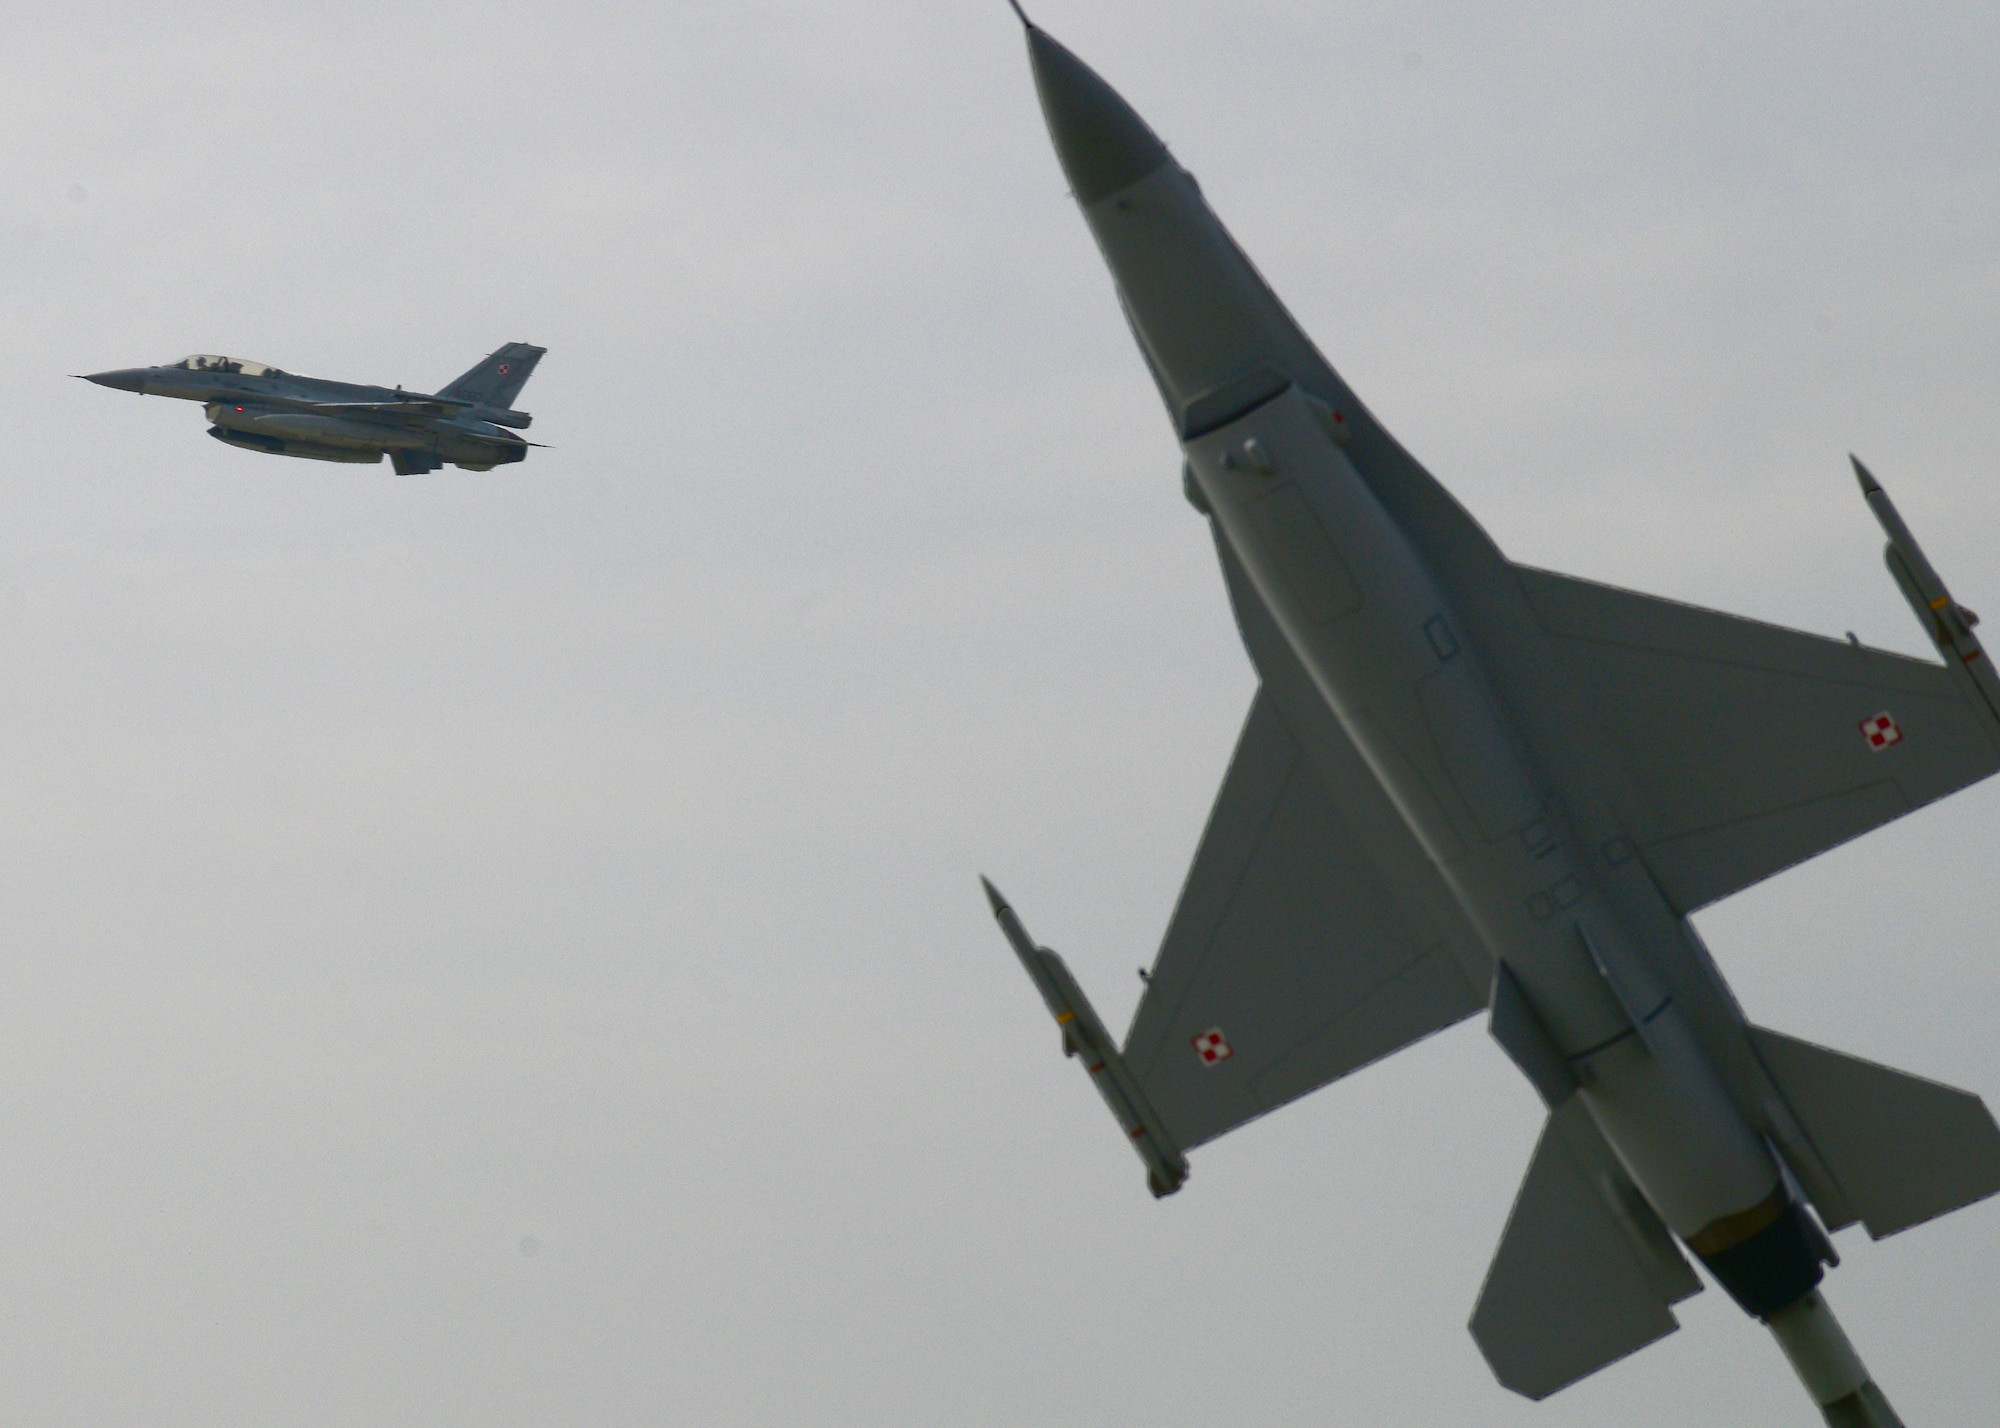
256	407
1084	1035
1466	785
1948	622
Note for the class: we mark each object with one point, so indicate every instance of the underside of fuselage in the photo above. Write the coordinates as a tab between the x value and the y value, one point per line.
413	450
1465	785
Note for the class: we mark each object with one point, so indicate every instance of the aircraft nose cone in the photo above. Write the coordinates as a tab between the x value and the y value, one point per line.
126	379
1103	144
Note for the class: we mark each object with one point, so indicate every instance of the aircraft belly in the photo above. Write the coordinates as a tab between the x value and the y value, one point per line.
319	430
1357	606
1382	643
1406	687
1672	1125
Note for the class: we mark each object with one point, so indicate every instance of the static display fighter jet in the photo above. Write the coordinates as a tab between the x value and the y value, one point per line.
260	408
1468	786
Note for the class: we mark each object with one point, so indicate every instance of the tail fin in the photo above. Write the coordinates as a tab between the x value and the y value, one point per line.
1900	1149
499	379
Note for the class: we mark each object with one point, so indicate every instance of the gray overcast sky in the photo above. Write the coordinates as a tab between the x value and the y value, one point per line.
506	950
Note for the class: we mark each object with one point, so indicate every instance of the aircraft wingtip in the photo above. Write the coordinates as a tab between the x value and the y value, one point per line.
993	895
1869	485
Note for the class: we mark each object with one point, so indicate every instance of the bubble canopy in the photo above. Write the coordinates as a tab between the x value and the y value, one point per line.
206	363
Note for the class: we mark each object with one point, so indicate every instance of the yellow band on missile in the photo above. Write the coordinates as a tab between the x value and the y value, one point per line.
1065	1018
1940	602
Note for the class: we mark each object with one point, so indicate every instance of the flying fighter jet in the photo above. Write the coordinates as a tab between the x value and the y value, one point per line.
1469	786
260	408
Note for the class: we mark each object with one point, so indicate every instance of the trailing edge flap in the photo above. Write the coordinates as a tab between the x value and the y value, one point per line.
1901	1150
1585	1272
1312	935
1747	738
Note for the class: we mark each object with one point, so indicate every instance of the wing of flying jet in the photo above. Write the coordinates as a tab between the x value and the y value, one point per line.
1288	962
1756	746
410	410
1312	935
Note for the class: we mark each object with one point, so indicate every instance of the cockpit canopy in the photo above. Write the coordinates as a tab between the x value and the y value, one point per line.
205	363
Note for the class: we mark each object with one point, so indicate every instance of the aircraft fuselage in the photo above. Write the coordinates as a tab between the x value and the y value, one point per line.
1402	669
260	408
1399	621
1408	663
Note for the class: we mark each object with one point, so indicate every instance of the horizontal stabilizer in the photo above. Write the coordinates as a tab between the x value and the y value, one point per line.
1585	1272
1901	1149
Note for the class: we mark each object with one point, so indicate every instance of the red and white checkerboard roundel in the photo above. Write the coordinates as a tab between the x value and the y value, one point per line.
1881	731
1212	1046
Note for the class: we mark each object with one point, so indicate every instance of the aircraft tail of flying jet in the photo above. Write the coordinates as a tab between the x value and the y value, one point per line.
1585	1272
1313	936
498	380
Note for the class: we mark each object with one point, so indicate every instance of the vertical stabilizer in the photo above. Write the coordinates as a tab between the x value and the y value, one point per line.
498	380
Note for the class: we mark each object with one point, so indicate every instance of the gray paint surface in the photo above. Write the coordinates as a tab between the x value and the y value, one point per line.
1580	1267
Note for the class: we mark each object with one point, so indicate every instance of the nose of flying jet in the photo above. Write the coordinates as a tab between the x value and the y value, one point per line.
1102	143
125	379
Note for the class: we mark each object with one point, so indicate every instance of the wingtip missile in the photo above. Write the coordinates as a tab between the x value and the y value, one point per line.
1024	947
1022	15
1907	559
1083	1035
1948	623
